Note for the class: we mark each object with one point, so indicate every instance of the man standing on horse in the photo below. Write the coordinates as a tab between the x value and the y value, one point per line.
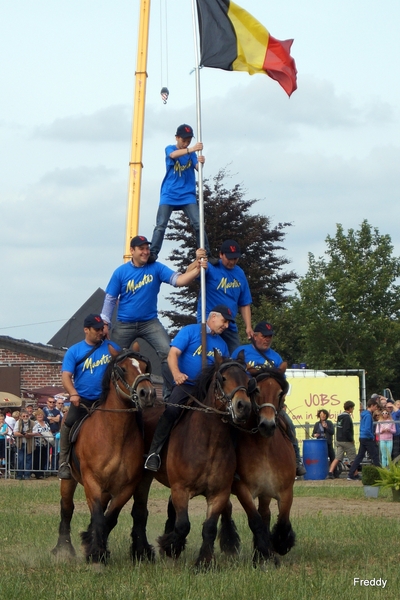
227	284
135	285
83	368
185	362
260	353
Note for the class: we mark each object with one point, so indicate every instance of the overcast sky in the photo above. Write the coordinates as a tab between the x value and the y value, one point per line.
329	154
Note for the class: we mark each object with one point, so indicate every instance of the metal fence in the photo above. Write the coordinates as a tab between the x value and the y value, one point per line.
17	463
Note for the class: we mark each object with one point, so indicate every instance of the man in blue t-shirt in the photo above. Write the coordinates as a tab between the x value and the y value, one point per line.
178	189
83	369
367	439
227	284
259	352
185	361
135	285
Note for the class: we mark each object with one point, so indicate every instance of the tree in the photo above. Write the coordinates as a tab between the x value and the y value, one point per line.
227	216
348	306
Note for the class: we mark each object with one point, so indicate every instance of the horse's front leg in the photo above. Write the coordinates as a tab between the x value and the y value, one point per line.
140	547
263	549
94	539
283	537
173	542
215	506
64	543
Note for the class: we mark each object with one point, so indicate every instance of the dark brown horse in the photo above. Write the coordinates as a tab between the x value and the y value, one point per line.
107	458
199	458
266	466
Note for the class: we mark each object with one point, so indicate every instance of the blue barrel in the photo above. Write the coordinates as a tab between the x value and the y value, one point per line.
315	459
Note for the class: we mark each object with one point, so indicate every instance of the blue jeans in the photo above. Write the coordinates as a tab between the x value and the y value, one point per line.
366	445
163	216
24	463
124	334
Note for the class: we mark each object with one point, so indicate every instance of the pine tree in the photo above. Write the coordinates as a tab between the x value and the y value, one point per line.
227	216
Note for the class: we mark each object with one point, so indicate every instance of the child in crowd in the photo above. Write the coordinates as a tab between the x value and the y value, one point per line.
385	429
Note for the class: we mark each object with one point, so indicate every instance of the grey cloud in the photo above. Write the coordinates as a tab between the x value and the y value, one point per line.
77	176
111	124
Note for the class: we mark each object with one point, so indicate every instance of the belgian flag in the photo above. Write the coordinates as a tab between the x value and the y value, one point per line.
233	40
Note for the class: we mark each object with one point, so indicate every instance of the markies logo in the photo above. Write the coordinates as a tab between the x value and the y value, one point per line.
224	284
131	286
89	365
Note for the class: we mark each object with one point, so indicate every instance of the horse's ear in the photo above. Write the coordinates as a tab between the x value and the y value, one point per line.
217	358
135	347
114	353
241	356
283	367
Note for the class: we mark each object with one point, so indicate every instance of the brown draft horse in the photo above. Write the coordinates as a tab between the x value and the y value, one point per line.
107	458
266	466
199	458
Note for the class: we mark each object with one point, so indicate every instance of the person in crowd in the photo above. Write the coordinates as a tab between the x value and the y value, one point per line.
185	362
226	283
29	408
43	440
3	437
385	429
135	285
324	430
367	441
60	405
345	445
178	189
24	440
396	437
53	417
82	373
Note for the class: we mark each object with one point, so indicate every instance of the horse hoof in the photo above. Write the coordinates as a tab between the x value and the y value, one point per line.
98	568
64	551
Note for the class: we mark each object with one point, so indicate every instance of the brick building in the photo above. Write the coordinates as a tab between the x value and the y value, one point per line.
26	366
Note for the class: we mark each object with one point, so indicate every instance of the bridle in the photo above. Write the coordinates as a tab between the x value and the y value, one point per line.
220	394
253	389
118	377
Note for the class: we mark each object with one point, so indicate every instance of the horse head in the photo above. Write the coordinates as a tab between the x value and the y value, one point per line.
130	375
268	390
231	385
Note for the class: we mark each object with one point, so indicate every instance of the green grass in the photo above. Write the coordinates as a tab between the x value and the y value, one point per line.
329	553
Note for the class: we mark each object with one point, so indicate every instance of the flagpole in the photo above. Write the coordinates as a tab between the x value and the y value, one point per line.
200	186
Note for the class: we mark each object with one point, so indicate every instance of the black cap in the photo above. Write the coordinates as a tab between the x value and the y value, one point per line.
184	131
139	240
231	249
94	321
264	328
225	312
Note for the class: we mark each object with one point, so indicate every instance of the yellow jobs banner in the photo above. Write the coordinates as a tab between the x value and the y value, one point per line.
307	395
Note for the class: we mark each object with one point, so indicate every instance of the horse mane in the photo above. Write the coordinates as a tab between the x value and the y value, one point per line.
205	377
263	372
105	384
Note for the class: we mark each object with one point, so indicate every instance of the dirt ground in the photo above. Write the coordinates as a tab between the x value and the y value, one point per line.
301	506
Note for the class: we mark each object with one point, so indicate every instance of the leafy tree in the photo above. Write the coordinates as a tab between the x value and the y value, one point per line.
227	216
348	306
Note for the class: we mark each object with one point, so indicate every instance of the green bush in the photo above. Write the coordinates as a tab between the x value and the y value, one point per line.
369	474
389	477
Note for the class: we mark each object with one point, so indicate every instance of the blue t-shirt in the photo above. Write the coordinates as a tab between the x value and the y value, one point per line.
254	358
179	184
225	286
188	341
137	289
396	417
366	425
88	375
